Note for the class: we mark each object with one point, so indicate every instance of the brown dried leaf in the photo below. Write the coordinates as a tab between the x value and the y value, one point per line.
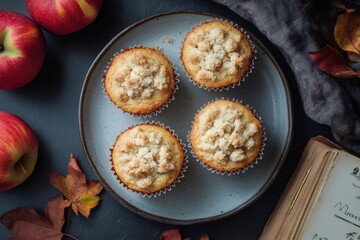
172	234
81	193
332	62
27	224
204	237
347	31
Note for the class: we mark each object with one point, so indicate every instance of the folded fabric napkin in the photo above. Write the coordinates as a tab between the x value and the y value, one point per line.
290	26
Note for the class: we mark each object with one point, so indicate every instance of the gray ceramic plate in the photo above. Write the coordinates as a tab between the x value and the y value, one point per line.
201	196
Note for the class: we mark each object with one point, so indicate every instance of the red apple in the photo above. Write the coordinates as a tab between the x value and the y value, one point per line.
63	16
22	50
18	151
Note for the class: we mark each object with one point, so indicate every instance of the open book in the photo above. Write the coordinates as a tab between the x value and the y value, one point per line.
322	199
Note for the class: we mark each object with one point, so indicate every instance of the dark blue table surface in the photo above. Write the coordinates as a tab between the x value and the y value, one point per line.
50	106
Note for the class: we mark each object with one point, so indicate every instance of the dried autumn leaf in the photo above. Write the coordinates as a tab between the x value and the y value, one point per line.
332	62
172	234
347	31
81	193
27	224
204	237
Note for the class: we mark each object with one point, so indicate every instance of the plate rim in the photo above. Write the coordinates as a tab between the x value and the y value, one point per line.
173	221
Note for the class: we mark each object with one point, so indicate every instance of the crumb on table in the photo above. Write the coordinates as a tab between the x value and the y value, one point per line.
167	39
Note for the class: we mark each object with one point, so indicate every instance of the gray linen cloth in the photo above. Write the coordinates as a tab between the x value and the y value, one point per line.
290	26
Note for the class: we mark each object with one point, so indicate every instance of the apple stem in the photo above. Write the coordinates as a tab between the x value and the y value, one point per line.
2	47
22	167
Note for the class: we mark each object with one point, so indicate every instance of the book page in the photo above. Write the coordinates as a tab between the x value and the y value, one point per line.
336	214
290	216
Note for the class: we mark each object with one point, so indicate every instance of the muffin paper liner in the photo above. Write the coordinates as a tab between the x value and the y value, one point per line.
162	107
252	64
235	172
171	186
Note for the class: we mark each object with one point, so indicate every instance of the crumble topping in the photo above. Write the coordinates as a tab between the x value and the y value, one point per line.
144	156
216	51
226	134
139	77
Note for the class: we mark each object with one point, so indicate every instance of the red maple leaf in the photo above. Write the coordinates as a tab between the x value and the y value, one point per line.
82	194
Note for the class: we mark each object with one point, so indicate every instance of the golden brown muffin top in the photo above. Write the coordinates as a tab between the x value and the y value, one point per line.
147	158
216	54
140	80
226	133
